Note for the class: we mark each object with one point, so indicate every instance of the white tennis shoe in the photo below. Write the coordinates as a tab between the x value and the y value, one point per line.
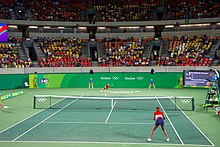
149	140
167	139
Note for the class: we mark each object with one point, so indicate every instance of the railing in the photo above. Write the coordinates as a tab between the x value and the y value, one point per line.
102	69
108	24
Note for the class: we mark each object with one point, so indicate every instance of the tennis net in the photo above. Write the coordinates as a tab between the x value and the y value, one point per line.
126	103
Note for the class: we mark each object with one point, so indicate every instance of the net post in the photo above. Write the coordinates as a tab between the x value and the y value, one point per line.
175	102
50	102
112	103
193	103
34	106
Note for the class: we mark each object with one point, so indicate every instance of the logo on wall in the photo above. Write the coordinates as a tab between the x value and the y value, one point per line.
44	80
115	78
105	78
129	78
139	78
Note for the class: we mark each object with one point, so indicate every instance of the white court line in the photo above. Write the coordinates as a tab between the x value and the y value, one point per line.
43	121
88	142
110	112
111	123
194	124
171	123
25	119
113	143
21	121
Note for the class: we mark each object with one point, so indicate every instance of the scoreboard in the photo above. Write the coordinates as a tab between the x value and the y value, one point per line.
196	78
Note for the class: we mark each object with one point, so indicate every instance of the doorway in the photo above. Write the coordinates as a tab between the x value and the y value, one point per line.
93	53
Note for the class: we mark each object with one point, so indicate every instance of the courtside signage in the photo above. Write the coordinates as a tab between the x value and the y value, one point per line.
11	95
3	32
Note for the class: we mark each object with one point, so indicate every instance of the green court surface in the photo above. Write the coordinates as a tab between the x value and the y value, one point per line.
91	123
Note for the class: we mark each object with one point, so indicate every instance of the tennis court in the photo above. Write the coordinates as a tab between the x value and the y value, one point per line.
75	119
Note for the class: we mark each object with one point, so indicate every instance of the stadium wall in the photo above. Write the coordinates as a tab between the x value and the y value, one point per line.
51	35
126	35
70	26
101	69
115	80
77	77
13	81
111	24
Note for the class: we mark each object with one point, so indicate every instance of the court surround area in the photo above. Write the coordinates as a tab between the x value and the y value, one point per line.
77	121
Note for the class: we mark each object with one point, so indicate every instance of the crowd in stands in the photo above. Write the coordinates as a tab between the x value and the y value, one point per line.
125	10
9	57
62	52
120	10
185	9
4	12
67	52
12	39
127	52
59	10
217	55
188	51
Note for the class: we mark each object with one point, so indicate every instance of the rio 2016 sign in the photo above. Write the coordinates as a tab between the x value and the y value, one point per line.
115	80
125	78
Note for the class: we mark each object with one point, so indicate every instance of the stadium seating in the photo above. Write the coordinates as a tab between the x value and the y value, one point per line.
183	9
127	52
59	10
9	57
120	10
125	10
4	11
115	19
188	51
62	52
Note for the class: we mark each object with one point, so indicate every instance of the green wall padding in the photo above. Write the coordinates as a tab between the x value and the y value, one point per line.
13	81
116	80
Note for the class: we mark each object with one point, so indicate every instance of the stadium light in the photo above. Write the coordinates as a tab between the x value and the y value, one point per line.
46	27
204	24
101	28
169	26
33	27
61	27
149	27
12	26
129	27
196	25
82	28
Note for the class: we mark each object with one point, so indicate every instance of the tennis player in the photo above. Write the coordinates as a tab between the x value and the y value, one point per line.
35	82
152	84
91	83
105	88
218	113
159	118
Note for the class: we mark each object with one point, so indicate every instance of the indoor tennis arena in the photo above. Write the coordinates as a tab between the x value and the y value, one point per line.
94	73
